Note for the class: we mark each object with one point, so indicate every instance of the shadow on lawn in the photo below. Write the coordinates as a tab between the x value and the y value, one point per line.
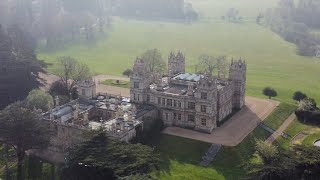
229	162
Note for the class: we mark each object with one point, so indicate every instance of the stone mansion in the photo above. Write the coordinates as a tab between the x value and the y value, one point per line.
188	100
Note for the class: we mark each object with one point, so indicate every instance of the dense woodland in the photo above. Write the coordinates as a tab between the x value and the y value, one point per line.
297	23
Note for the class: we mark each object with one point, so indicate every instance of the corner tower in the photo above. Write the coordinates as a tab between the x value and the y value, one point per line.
87	88
238	77
176	64
140	81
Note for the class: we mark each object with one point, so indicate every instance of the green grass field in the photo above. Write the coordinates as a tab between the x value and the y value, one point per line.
111	82
181	157
279	115
271	60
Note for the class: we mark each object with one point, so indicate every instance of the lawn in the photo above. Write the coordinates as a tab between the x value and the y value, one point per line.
309	141
271	60
294	128
181	157
279	115
117	83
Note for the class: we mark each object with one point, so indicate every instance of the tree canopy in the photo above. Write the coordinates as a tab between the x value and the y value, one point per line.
300	162
109	158
19	66
295	21
22	130
298	96
154	60
40	99
207	64
270	92
71	71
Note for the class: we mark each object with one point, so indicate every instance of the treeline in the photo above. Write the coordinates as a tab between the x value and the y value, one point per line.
19	66
295	22
57	22
154	9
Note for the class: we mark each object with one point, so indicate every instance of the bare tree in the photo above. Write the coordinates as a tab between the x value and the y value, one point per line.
209	63
154	60
71	71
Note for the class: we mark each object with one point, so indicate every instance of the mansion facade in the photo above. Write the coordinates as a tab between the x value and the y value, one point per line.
188	100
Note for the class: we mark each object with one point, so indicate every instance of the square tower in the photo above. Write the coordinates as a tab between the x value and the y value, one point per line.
238	77
176	64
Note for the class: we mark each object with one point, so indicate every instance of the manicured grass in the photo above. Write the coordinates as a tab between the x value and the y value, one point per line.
309	141
111	82
294	128
181	158
271	60
279	115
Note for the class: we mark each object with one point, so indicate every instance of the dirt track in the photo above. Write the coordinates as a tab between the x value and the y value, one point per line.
49	78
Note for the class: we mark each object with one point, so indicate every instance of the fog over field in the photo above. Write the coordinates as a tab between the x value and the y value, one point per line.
109	34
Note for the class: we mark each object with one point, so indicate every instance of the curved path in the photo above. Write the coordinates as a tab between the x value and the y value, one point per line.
236	128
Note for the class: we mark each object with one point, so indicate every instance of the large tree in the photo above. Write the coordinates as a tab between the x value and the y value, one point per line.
266	151
40	99
154	60
22	130
209	63
102	157
298	96
270	92
299	162
71	71
19	66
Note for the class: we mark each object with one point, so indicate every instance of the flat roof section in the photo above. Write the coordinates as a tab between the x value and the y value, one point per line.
188	77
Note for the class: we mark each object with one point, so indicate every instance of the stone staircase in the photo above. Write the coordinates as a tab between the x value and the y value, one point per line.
210	154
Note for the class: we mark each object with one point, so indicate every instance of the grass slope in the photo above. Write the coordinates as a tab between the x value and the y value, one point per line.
279	115
181	157
271	60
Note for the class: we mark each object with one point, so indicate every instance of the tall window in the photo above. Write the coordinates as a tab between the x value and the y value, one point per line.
159	100
179	117
191	105
167	116
191	118
134	97
203	108
174	103
83	92
163	101
148	98
204	95
136	85
204	122
174	116
179	104
169	102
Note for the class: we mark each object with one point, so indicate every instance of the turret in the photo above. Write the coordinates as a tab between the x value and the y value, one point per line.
87	88
176	64
140	81
238	77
